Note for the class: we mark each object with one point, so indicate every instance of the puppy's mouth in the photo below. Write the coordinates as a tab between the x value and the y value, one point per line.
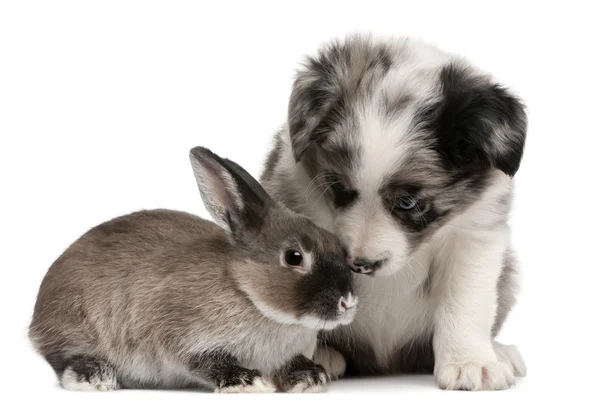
370	274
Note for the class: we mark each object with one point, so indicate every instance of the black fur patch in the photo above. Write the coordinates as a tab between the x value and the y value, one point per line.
359	356
477	125
342	197
414	357
330	280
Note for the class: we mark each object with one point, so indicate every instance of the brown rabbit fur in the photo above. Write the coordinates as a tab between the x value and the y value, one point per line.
166	299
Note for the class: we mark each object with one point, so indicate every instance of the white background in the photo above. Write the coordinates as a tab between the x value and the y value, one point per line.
100	103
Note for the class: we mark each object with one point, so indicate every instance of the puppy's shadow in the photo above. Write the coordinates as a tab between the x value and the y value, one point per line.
382	383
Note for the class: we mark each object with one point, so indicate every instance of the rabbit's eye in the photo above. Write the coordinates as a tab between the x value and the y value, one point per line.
293	258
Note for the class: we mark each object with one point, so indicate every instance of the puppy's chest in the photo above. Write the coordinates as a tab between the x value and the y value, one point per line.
389	321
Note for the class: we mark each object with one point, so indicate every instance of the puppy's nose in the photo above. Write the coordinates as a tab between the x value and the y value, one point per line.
362	262
362	265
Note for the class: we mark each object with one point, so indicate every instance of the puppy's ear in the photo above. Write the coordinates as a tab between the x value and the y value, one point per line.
341	71
479	123
312	100
235	200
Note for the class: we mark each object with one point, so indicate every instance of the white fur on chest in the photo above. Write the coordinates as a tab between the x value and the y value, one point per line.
390	313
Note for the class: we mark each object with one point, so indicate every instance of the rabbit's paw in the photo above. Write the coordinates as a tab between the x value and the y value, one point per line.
86	373
245	381
309	379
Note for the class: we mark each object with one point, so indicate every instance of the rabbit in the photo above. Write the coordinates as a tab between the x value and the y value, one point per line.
166	299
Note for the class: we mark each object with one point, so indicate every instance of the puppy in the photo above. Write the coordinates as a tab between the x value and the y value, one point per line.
407	153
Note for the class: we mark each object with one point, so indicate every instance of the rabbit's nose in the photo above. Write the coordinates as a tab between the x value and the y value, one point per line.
347	302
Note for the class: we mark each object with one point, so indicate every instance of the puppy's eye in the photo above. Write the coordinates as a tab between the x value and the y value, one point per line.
406	204
293	258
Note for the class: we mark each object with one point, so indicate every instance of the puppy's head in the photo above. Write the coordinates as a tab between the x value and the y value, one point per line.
399	137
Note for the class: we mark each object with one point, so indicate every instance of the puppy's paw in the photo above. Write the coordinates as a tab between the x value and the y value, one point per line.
245	381
332	360
510	355
474	376
310	379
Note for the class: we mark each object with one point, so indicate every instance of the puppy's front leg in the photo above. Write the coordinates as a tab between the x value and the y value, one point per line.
464	353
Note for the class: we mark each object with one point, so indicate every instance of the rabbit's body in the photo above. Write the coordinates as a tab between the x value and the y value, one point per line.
129	292
166	299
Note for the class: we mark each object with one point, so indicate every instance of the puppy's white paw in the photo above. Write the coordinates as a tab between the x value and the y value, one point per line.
258	385
510	355
332	360
474	376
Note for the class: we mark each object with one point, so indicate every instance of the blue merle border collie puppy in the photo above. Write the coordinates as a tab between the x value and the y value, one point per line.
408	153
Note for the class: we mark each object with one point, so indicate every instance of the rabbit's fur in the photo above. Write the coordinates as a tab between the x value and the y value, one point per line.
166	299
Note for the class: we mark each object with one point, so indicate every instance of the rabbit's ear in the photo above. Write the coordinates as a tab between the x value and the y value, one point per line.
235	200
